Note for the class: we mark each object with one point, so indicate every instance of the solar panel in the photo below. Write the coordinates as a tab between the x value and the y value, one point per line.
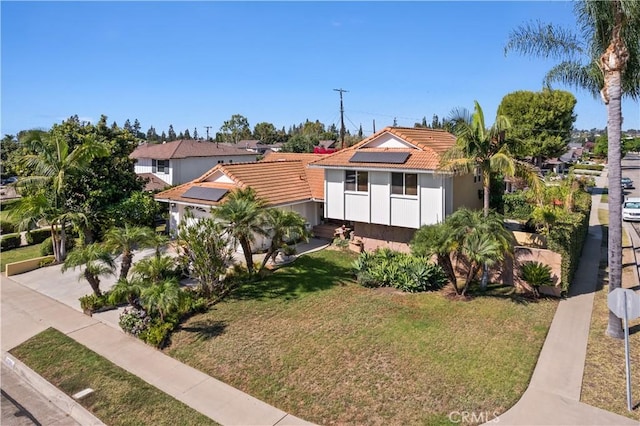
207	194
380	157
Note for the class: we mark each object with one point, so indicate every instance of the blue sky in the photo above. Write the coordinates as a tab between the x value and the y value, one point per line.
194	64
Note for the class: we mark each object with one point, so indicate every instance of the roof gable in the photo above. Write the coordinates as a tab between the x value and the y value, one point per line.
187	148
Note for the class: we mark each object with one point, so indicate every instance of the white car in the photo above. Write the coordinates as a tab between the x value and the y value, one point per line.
631	209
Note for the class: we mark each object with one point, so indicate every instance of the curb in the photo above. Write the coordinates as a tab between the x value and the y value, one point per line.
52	393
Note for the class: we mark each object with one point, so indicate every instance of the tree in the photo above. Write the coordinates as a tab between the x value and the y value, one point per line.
123	241
54	164
283	227
171	135
127	289
300	143
95	259
265	132
195	133
154	269
206	248
187	135
8	146
139	209
162	298
235	129
435	240
152	135
242	211
479	147
604	59
541	123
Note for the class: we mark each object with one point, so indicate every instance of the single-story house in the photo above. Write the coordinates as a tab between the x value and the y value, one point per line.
183	160
389	185
282	180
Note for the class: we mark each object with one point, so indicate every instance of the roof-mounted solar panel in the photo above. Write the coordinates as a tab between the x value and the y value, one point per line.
207	194
380	157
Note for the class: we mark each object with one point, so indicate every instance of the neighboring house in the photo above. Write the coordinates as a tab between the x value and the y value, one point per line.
388	185
282	180
183	160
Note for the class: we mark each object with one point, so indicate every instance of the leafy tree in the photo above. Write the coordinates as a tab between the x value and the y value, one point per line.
187	135
123	241
235	129
95	259
140	209
283	227
604	59
152	135
207	248
300	143
265	132
541	122
242	211
136	130
484	148
8	146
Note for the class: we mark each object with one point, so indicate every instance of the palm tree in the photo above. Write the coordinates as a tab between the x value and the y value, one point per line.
482	240
51	164
129	289
479	147
243	211
162	298
125	240
95	259
284	226
155	268
604	59
435	240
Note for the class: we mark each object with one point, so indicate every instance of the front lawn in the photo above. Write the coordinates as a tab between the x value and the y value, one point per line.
19	254
311	342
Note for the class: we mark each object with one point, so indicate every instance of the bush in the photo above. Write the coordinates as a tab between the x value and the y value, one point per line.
36	236
388	268
517	206
93	303
46	247
134	321
7	227
536	274
567	238
158	333
11	241
598	167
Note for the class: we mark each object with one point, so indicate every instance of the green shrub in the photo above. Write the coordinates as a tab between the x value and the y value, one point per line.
11	241
134	321
339	242
36	236
536	274
93	303
388	268
517	206
158	333
46	247
598	167
7	227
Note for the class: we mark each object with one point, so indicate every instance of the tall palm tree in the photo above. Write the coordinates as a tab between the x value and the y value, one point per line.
243	212
604	59
125	240
283	226
51	164
95	259
479	147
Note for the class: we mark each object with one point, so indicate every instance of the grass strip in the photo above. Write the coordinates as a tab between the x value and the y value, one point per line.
119	397
19	254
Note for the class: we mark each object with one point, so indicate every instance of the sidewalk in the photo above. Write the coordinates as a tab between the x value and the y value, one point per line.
553	395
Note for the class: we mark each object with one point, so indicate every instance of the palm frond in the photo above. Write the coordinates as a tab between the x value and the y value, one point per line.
544	41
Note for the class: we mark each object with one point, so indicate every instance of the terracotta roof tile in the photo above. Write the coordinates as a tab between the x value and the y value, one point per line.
154	183
429	146
281	181
186	148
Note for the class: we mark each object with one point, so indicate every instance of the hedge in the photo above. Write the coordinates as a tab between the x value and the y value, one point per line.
567	238
36	236
598	167
11	241
516	206
7	227
46	247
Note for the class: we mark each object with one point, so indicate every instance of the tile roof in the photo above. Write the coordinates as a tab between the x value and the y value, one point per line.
277	181
186	148
428	147
315	176
154	183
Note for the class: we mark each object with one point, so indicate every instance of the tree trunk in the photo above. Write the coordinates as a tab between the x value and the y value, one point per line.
248	257
125	265
63	241
94	282
54	244
486	181
445	262
613	62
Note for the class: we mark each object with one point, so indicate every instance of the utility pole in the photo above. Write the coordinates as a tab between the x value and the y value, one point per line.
341	117
207	127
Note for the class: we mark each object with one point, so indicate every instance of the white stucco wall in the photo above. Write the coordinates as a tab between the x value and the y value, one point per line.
188	169
144	165
334	194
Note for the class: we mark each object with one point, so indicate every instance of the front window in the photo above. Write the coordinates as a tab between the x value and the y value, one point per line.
160	166
356	181
404	183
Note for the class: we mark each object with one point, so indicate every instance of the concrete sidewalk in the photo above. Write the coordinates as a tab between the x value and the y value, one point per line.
553	395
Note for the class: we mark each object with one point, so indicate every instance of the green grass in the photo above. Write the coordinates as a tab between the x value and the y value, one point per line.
311	342
19	254
119	398
5	209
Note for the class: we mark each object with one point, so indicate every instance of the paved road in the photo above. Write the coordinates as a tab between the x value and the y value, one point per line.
22	405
